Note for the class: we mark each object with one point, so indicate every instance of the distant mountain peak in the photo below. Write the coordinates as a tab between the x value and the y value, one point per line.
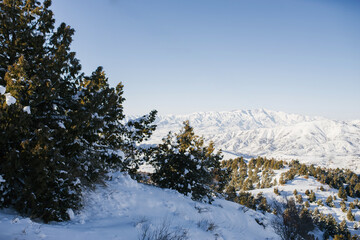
263	132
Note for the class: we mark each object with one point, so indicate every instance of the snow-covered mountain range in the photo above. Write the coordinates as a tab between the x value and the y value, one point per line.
252	133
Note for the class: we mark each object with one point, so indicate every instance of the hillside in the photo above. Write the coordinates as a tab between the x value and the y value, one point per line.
122	209
251	133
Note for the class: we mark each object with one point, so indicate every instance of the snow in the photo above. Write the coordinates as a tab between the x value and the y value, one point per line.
302	184
71	213
9	99
27	109
2	90
61	124
252	133
124	207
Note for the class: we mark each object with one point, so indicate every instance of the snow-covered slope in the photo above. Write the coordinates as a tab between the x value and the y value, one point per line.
122	209
274	134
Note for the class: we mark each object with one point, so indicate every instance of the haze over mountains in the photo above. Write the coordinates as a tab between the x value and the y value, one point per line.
251	133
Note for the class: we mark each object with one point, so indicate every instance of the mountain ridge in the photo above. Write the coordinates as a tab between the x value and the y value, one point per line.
261	132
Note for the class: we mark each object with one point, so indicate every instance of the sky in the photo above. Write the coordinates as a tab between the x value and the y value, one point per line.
184	56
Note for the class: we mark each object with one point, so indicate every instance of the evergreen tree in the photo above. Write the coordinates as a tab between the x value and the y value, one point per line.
230	193
299	198
261	201
350	216
282	180
320	202
343	206
342	193
339	237
246	199
343	229
39	71
312	197
331	225
64	131
183	163
329	201
356	226
294	223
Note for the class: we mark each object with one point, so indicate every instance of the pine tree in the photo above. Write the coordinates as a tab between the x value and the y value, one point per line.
38	69
343	206
294	223
312	197
320	202
339	237
230	193
343	229
331	225
299	198
329	201
64	131
246	199
356	226
274	182
183	163
342	194
282	180
261	201
350	216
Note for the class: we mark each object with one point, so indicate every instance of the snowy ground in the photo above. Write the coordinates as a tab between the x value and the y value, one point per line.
302	184
124	207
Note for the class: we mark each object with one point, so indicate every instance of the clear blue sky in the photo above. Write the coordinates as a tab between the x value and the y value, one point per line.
183	56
